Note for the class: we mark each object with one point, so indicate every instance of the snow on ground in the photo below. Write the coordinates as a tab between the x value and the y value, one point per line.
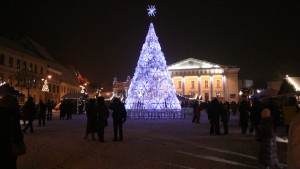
148	144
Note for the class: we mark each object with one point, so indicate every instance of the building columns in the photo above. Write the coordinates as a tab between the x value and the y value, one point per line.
199	85
211	87
183	85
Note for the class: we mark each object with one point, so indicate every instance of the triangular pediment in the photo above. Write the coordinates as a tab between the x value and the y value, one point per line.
192	63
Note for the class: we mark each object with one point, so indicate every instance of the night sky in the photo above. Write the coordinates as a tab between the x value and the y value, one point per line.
103	38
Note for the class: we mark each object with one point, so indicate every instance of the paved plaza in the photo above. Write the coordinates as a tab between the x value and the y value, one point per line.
147	144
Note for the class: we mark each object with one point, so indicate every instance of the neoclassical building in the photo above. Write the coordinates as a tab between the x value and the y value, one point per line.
204	80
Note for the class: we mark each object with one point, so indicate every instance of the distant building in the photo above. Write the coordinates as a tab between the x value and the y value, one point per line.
204	80
120	89
28	67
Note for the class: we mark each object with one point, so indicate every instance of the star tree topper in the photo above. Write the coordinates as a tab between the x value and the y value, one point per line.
151	10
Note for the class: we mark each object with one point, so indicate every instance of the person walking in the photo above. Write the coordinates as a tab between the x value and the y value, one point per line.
102	115
42	113
30	112
10	131
119	117
268	147
293	155
91	113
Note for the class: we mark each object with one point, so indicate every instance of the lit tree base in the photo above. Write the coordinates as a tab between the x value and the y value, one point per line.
155	114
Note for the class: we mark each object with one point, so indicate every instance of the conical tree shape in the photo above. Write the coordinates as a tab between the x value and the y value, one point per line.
151	87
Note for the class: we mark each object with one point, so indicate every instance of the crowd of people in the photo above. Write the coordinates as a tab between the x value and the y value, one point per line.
261	117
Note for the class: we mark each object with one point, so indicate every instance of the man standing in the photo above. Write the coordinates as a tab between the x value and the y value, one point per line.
49	110
119	117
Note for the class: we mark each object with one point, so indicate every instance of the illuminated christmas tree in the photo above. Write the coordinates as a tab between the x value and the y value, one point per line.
151	87
45	86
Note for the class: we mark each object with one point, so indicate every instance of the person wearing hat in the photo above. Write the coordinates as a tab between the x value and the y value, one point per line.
11	132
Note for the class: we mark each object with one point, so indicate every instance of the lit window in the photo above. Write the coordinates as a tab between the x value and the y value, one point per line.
192	84
206	83
218	83
179	84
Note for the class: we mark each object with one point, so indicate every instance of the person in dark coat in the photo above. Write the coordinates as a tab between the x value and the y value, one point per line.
42	113
214	116
119	117
69	109
268	147
244	109
10	131
91	113
63	109
30	112
234	107
225	115
102	115
49	109
195	105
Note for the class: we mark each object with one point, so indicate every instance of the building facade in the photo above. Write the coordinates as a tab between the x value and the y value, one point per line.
26	66
120	89
204	80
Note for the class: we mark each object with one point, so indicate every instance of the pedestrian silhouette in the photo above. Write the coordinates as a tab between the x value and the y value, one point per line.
10	131
30	113
91	114
119	117
102	115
